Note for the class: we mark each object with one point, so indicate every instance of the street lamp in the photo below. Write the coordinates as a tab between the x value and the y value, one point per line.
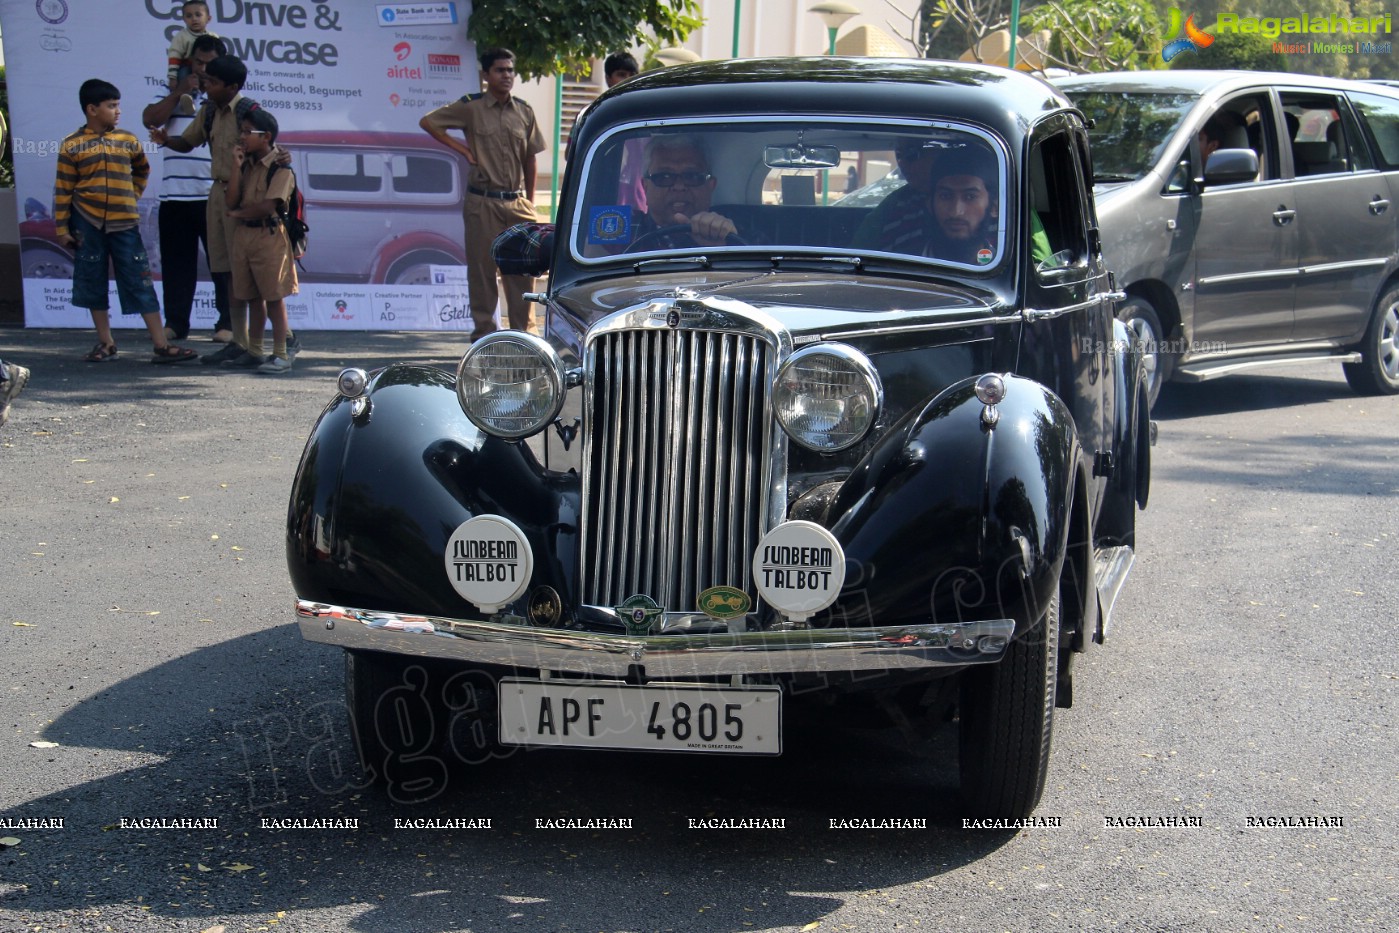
834	14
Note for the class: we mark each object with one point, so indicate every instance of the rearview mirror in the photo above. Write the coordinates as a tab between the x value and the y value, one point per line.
800	155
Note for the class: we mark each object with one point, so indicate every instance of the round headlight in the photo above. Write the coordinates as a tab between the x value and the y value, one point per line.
510	384
827	396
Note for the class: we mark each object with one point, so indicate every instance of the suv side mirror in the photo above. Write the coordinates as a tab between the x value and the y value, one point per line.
1231	166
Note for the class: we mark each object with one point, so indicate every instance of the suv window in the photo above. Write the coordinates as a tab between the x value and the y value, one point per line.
1324	138
1381	115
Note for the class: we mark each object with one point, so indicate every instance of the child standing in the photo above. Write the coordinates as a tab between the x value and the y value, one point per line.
101	174
195	13
264	271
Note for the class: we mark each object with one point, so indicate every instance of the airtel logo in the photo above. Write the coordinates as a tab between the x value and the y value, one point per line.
402	51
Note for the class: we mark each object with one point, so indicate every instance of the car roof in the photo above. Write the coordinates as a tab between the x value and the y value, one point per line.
919	88
1200	81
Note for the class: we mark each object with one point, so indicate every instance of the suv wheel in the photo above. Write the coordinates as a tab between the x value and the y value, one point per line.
1377	373
1007	715
1144	323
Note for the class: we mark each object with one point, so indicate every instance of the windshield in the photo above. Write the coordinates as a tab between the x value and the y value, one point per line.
929	192
1128	128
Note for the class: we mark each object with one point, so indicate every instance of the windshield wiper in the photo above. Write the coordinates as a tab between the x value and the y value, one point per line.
700	260
855	262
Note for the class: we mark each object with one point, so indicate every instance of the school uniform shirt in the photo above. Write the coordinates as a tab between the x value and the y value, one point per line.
101	176
222	136
263	266
502	135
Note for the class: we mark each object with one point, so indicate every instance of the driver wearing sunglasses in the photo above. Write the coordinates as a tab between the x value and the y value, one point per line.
679	187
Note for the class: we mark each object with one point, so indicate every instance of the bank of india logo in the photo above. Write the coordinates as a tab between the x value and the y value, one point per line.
1192	41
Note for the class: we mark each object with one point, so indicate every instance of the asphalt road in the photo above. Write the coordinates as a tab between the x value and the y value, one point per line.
146	629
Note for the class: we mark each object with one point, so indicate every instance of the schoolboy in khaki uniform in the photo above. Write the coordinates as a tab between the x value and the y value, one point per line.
502	139
264	270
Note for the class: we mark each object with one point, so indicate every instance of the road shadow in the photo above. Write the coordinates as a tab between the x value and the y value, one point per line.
1229	395
254	728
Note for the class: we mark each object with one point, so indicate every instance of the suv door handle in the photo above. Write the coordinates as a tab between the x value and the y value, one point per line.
1283	216
1378	205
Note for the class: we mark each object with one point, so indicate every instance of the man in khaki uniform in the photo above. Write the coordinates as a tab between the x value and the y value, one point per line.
502	139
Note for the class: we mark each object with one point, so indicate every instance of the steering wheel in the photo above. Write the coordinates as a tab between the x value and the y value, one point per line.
733	239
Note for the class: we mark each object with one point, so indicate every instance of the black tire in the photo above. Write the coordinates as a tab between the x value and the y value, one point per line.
397	720
1377	373
1007	717
1145	324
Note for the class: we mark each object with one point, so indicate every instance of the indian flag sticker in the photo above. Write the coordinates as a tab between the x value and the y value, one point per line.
983	256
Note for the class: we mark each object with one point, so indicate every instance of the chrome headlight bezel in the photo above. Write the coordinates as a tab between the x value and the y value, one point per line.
839	358
550	370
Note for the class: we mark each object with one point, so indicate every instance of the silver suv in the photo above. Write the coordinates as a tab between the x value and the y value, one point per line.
1280	247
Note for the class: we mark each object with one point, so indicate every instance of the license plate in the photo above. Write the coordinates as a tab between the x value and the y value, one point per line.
671	718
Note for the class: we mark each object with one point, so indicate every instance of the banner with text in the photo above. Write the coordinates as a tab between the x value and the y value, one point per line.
347	80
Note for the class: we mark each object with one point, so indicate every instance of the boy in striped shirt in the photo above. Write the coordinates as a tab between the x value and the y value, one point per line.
101	174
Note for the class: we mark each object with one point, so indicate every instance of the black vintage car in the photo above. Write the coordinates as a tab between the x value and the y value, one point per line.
769	450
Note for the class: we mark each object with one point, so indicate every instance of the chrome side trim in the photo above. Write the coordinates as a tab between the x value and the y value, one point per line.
1047	314
888	648
1204	370
920	327
1110	569
1343	266
1249	276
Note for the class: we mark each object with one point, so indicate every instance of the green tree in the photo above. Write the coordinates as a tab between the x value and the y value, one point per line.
552	37
1098	35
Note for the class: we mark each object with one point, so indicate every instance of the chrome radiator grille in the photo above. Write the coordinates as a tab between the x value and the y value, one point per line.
676	464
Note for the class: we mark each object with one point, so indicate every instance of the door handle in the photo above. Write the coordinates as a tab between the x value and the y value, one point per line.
1378	205
1283	216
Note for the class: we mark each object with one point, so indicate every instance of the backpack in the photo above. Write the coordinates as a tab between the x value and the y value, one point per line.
293	216
245	106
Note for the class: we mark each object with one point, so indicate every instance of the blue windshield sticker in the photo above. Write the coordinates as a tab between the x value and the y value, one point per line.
608	226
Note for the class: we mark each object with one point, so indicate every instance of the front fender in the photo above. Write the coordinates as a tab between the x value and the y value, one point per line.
377	496
950	520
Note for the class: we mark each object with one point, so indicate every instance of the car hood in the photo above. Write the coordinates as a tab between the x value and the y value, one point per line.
807	304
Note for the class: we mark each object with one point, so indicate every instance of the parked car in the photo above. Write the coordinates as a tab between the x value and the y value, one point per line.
1281	248
383	207
736	477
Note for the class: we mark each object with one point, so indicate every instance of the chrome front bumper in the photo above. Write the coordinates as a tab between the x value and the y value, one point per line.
899	647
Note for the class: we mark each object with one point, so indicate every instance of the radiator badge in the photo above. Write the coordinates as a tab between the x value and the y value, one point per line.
639	613
724	602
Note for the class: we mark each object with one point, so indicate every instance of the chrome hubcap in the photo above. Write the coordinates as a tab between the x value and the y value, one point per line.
1387	351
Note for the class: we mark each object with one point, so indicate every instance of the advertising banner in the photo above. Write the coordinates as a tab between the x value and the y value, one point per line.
348	81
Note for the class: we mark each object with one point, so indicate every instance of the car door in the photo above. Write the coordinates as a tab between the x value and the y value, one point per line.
1246	239
1345	221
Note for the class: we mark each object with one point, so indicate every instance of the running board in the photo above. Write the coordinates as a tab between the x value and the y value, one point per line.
1110	568
1213	369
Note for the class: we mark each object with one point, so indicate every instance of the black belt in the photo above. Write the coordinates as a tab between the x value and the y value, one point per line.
495	195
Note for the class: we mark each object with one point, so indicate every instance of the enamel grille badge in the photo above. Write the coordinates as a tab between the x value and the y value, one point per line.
724	602
639	613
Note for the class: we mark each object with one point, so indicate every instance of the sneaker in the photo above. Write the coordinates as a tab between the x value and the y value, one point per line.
243	360
275	366
226	352
293	346
11	388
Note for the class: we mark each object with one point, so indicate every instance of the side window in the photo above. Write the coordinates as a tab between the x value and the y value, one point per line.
1056	234
347	172
1381	117
1324	137
1243	122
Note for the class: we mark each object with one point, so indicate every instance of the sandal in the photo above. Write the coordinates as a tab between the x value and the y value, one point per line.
173	354
102	353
